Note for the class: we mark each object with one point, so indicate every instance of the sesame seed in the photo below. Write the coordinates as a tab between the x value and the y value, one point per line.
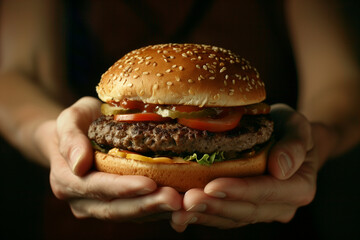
191	92
136	69
212	78
135	76
184	55
190	81
193	59
226	76
130	85
205	67
181	68
166	60
171	57
147	63
169	83
221	64
197	66
141	93
145	73
165	52
216	97
154	64
211	71
173	66
156	86
168	70
177	78
148	58
233	81
222	69
199	57
126	75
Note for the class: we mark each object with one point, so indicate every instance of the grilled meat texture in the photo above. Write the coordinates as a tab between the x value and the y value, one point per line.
172	137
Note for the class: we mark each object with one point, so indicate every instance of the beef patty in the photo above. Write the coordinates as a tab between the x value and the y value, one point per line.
172	137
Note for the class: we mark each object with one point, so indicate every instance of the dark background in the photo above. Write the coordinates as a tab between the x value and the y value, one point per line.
30	211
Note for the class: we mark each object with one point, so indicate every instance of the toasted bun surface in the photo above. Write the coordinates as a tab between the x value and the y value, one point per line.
188	74
183	176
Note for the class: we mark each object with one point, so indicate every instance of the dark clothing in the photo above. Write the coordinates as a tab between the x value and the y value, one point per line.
99	33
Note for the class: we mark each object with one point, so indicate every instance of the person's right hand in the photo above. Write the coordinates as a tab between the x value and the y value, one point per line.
91	193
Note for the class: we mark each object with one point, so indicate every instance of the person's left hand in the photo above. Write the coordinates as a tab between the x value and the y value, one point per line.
290	183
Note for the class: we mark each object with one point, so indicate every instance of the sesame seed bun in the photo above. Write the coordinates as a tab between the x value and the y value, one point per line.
184	176
186	74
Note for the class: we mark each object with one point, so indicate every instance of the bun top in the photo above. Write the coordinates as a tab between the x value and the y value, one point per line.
187	74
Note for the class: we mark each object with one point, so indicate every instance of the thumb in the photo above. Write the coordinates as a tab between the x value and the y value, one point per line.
72	126
293	132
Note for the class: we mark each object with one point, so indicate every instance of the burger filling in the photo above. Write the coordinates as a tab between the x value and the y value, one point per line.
205	135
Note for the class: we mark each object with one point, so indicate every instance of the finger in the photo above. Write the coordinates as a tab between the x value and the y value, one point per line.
287	119
98	185
295	140
237	211
72	127
163	200
298	190
181	219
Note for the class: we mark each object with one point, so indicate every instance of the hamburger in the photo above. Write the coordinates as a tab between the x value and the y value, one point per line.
182	115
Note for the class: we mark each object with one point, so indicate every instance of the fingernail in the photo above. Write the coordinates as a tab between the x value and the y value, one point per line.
217	194
197	208
144	191
285	163
166	207
191	220
75	156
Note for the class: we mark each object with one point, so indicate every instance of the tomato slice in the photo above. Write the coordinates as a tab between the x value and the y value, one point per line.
226	121
139	117
186	108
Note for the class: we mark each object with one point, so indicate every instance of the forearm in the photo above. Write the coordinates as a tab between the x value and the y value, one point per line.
328	72
23	107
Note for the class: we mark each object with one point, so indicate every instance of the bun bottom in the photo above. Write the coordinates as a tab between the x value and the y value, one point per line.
183	176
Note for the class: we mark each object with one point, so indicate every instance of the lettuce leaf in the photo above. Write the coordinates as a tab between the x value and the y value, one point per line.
206	159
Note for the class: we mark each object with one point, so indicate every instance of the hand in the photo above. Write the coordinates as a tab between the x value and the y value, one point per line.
91	193
290	183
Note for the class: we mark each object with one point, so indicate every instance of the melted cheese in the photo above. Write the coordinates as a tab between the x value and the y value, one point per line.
135	156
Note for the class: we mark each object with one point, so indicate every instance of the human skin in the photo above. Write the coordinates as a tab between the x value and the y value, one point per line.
52	133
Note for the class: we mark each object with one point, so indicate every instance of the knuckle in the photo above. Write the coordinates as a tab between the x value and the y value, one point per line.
106	213
287	217
252	216
58	190
307	198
